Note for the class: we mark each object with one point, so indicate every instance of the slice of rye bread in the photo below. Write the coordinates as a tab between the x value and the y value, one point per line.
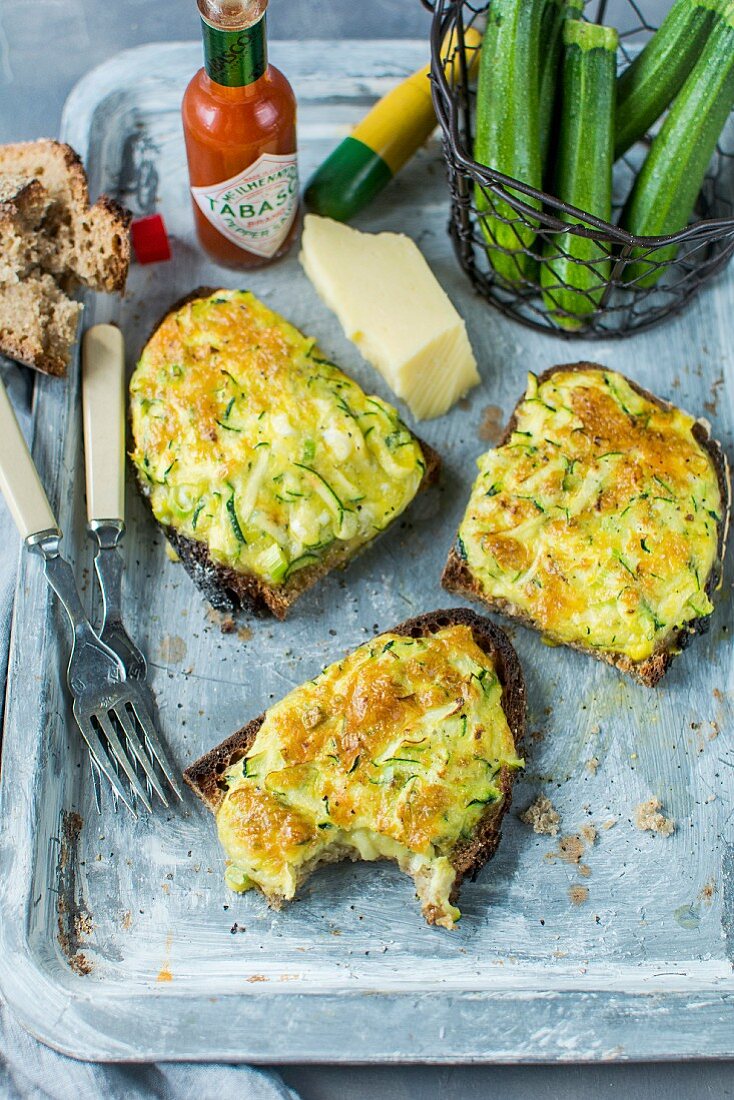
227	589
38	323
458	578
23	204
77	243
51	242
205	774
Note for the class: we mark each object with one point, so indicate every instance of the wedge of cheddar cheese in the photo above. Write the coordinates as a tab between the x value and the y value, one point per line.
391	306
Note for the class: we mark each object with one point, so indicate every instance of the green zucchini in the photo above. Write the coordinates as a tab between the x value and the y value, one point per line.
551	39
657	74
508	128
666	189
576	268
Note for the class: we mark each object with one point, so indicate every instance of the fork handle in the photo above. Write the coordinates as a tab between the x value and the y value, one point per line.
60	576
19	480
103	400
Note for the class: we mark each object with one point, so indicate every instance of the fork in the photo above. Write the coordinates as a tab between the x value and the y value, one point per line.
108	707
103	399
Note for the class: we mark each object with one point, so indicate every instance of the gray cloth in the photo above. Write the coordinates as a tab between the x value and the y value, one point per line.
27	1068
30	1070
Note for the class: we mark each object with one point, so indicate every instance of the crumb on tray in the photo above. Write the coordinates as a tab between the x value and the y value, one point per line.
648	818
542	816
578	894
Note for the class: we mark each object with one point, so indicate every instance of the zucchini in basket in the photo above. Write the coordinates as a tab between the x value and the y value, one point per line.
666	189
576	268
551	37
657	74
508	129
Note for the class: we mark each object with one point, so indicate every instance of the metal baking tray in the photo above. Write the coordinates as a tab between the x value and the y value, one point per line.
120	941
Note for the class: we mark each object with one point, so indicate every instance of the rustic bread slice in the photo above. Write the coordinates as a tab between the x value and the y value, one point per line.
78	243
458	577
228	589
23	204
51	241
470	853
38	323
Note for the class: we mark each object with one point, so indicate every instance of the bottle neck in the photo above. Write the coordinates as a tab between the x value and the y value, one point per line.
235	59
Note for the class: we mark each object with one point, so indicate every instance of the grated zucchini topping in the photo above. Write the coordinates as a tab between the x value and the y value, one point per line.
598	517
394	752
249	440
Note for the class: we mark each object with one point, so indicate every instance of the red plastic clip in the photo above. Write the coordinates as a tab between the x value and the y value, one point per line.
150	239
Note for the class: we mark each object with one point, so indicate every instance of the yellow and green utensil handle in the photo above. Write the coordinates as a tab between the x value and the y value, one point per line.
393	131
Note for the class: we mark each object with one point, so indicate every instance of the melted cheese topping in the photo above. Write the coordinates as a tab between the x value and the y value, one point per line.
393	752
598	517
250	441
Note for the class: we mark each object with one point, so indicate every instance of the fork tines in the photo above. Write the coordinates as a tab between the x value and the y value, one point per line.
125	747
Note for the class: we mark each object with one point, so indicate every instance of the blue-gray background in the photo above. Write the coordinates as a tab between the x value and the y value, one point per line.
45	46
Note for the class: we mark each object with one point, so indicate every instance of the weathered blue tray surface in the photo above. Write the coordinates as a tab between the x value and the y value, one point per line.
120	940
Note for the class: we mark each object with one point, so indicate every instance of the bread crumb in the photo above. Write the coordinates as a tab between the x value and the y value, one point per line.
542	816
80	964
707	892
490	428
718	696
610	823
570	849
83	925
592	765
648	818
578	894
584	870
588	832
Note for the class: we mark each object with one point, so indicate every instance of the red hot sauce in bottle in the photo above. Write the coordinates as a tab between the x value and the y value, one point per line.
239	119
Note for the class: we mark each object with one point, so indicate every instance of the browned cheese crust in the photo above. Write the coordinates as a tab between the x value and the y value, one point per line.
229	590
458	578
204	776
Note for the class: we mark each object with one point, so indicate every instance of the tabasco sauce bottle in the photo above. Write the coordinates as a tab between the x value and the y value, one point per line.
239	118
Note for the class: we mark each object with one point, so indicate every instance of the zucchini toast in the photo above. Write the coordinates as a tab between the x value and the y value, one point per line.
600	519
404	750
264	464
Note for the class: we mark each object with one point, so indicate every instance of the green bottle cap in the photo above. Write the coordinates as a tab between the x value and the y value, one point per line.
235	58
349	178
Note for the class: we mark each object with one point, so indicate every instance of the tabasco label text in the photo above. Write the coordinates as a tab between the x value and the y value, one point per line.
254	209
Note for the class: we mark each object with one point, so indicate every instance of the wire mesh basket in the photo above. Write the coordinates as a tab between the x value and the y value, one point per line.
637	281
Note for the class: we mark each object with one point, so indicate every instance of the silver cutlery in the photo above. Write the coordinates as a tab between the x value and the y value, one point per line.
103	399
109	709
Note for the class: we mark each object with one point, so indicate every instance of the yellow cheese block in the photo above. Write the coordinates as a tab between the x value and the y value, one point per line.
391	306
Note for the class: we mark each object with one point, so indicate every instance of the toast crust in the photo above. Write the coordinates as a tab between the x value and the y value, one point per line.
229	590
458	579
204	775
